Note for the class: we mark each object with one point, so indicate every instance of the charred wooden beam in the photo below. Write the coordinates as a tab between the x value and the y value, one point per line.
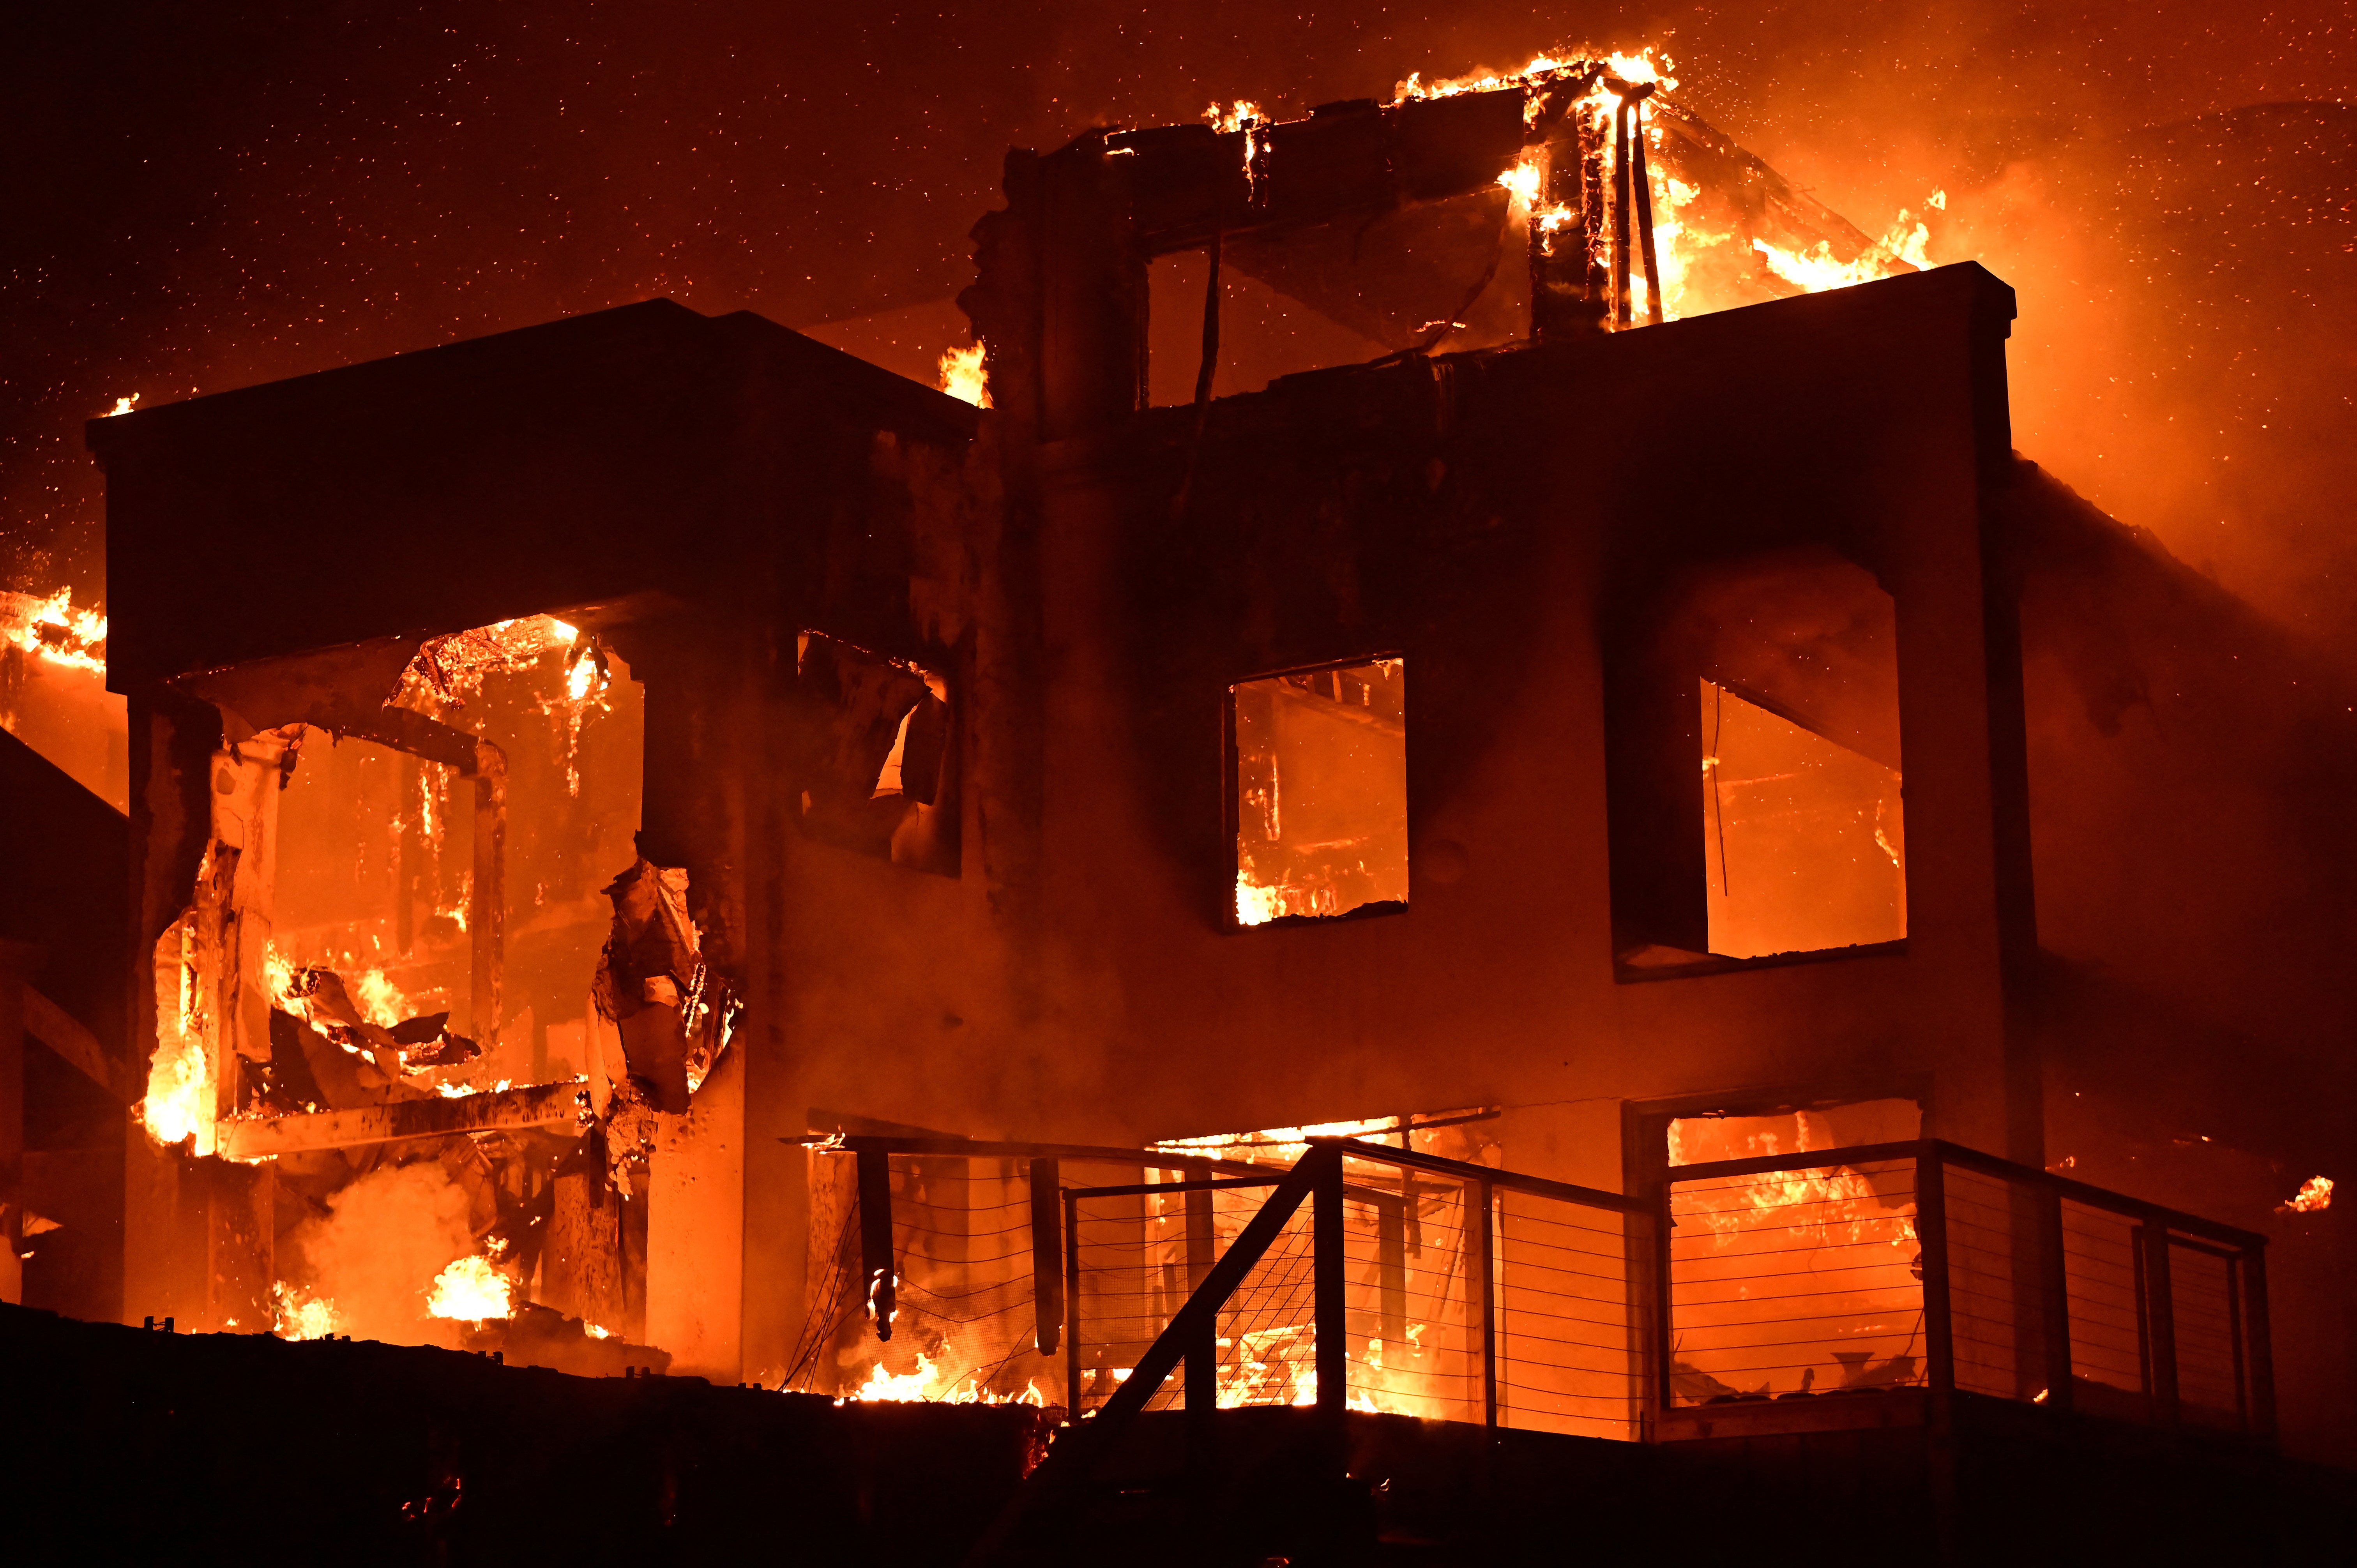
539	1105
62	1033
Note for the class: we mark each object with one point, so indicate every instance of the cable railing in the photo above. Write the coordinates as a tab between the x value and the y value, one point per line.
1925	1265
1366	1278
1383	1280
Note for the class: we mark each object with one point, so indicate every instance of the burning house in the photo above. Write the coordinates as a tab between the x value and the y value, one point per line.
1485	636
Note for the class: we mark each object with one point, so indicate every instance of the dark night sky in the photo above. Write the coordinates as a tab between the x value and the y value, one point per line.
207	196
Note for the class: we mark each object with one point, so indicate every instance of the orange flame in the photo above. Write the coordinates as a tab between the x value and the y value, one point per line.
50	628
2315	1195
965	377
179	1100
295	1314
471	1289
928	1385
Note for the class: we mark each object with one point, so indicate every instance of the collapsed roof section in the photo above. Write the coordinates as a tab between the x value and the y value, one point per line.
1577	197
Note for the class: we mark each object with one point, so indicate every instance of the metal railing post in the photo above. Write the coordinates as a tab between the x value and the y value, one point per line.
2263	1365
2055	1298
1330	1275
1046	1257
1072	1307
1485	1254
1665	1331
1931	1236
2160	1312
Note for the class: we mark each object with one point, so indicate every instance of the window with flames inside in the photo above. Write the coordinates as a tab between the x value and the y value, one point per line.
1320	792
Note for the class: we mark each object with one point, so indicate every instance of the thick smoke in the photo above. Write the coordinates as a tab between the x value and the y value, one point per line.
376	1251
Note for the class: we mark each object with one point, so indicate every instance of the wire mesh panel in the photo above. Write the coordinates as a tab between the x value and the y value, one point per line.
2208	1332
1996	1284
1137	1253
963	1317
1793	1282
2105	1284
1412	1289
1570	1343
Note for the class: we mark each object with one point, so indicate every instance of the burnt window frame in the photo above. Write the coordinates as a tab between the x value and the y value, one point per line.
1232	798
1637	771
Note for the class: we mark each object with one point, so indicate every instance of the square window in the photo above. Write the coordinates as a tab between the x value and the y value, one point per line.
1320	791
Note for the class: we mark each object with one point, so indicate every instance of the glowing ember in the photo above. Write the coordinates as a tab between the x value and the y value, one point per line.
448	671
50	628
472	1290
297	1314
2315	1195
1282	1144
965	377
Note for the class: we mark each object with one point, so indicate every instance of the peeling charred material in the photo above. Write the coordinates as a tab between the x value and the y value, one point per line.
649	977
540	1105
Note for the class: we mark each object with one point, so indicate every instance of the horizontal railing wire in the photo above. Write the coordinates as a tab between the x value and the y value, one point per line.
1801	1280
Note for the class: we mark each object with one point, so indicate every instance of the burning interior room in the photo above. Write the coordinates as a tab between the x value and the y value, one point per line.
652	846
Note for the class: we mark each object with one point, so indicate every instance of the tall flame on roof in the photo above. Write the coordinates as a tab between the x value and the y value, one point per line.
1808	268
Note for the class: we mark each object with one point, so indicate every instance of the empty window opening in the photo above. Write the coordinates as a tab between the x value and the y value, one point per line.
462	877
1802	1281
1806	839
1700	1140
1440	274
420	883
880	772
1321	792
1752	760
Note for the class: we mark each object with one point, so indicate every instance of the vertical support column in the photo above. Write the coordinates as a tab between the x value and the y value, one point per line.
1485	1242
1200	1241
1932	1234
2055	1293
1391	1266
1641	187
1072	1306
2160	1315
1046	1257
877	1277
487	899
1621	313
18	963
1329	1274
